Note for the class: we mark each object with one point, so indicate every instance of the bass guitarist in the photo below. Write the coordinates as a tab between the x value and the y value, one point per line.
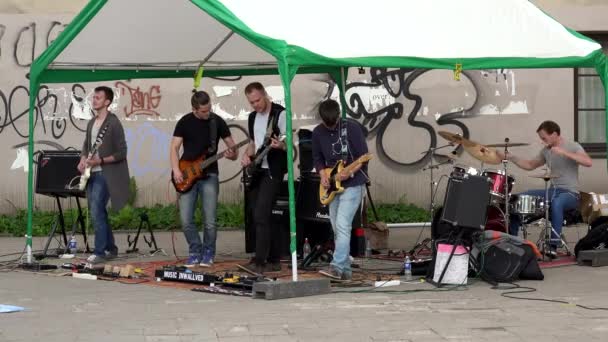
266	123
332	141
199	132
109	171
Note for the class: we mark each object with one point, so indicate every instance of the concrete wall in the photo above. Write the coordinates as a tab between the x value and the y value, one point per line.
496	103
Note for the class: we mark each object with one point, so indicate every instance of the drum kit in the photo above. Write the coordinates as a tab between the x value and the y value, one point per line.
502	202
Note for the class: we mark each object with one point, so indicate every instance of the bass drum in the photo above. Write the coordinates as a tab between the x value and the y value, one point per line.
494	221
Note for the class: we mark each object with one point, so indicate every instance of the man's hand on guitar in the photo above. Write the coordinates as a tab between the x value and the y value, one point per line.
94	161
246	160
343	176
81	166
231	154
178	177
325	180
274	143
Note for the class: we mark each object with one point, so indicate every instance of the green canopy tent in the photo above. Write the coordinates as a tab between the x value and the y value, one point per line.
117	39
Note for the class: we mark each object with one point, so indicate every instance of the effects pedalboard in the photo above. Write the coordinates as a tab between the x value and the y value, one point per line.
186	275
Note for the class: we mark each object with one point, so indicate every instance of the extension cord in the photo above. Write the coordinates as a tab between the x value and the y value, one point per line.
84	276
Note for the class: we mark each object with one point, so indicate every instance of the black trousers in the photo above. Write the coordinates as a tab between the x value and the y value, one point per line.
262	197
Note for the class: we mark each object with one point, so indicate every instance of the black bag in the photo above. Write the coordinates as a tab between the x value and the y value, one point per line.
507	262
597	238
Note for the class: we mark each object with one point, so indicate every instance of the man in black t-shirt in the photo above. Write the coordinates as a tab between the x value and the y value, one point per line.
199	132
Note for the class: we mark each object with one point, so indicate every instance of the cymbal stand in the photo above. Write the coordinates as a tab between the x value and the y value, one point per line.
432	167
505	162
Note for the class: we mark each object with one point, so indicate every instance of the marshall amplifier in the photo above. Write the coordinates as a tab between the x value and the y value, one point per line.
57	173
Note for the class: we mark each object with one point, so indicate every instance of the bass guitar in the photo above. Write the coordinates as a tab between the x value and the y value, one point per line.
326	196
193	170
250	172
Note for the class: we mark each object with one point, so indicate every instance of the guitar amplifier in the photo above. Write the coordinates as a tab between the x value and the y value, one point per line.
466	202
57	173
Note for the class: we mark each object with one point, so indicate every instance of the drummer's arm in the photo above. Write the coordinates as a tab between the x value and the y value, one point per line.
526	164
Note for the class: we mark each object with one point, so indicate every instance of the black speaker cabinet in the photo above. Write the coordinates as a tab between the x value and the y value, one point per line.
466	201
305	150
56	172
312	219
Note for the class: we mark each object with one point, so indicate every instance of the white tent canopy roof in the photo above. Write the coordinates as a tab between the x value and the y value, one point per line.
177	33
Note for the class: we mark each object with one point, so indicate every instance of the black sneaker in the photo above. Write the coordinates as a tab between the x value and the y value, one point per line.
272	267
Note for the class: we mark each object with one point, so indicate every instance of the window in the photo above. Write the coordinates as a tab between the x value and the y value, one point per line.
590	105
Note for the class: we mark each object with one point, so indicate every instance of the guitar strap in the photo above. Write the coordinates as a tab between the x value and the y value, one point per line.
269	126
343	140
99	138
212	134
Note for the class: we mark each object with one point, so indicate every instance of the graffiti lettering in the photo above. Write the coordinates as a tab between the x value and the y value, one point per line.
2	30
142	103
396	83
17	53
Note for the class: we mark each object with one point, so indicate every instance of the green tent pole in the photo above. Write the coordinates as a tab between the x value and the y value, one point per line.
340	76
30	169
287	74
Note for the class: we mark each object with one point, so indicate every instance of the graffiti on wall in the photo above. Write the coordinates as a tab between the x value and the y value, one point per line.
380	102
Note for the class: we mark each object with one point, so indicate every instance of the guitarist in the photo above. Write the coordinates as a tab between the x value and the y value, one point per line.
332	141
109	172
265	123
199	133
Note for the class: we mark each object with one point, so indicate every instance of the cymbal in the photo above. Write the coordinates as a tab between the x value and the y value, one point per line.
484	154
546	176
456	138
510	144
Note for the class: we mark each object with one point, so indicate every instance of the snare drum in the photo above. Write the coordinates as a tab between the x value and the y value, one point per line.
528	205
461	170
499	182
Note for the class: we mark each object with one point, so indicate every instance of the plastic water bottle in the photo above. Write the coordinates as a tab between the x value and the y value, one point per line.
368	249
407	269
305	249
72	246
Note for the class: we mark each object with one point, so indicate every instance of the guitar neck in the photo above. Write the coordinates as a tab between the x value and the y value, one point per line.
220	155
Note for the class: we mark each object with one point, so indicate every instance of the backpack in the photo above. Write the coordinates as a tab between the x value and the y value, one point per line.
597	238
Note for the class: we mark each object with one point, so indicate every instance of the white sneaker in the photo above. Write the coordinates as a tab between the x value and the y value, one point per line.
95	259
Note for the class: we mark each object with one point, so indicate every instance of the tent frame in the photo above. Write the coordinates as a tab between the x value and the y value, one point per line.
290	59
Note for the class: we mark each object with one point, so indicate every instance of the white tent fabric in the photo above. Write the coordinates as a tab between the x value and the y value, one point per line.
177	33
167	33
421	28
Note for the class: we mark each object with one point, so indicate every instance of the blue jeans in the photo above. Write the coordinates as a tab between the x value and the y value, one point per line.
561	201
207	189
342	211
98	197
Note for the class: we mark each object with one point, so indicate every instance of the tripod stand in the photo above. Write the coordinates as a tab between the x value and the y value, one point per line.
431	167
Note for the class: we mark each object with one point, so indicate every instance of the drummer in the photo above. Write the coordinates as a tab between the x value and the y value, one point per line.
562	158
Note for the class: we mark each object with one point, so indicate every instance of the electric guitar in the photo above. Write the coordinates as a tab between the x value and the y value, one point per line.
250	172
84	178
326	196
194	170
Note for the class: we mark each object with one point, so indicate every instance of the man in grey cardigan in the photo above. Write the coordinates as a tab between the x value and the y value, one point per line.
109	172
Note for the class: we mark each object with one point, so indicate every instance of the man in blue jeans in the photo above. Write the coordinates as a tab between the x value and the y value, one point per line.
109	178
562	158
335	140
199	133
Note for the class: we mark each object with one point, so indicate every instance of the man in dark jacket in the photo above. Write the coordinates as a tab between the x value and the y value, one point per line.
266	123
109	171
